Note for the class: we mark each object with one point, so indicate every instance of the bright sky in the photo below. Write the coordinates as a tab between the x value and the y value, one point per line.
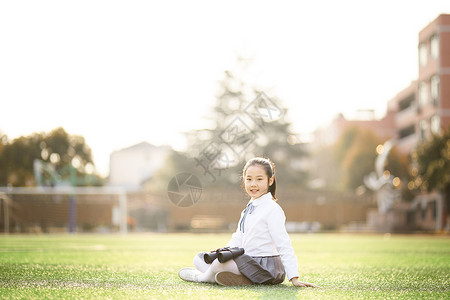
122	72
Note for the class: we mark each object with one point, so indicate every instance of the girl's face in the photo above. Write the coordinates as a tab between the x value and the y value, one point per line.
256	181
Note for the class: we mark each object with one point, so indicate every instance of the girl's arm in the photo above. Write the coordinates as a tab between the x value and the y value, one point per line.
283	243
280	238
236	239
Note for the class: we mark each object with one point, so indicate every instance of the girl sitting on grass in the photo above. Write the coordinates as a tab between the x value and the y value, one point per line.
269	255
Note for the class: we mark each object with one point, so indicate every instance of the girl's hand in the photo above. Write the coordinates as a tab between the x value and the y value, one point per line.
298	283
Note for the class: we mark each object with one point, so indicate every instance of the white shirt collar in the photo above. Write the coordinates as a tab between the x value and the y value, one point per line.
261	199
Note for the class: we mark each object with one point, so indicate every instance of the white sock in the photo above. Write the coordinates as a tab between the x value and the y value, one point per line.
216	267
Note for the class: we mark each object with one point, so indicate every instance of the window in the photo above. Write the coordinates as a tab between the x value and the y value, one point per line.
435	123
423	94
424	213
406	103
434	90
406	131
434	46
434	210
423	55
423	126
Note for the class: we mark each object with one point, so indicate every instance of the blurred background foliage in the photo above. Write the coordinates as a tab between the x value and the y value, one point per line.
340	166
274	139
431	165
65	158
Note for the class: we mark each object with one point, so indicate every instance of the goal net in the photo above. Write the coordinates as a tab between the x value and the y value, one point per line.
63	209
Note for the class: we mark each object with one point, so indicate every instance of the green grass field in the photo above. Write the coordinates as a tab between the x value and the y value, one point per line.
146	266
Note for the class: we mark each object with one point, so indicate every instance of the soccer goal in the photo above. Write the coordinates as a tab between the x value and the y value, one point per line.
63	209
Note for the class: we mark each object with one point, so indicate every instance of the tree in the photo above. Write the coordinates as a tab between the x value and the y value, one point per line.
3	143
68	156
248	123
359	158
344	165
245	122
432	165
17	160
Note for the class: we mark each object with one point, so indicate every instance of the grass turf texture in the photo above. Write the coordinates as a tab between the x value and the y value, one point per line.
146	266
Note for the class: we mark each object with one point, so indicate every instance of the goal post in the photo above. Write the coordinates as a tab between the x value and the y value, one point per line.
63	207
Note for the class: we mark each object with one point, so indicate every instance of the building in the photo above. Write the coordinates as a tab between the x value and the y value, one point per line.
419	110
384	128
423	108
413	116
132	166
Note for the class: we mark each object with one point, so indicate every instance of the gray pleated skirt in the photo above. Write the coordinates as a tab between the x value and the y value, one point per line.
261	269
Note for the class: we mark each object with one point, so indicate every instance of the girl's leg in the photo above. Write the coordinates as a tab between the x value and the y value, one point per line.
216	267
199	263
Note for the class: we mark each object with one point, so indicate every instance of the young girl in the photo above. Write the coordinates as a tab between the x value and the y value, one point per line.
269	255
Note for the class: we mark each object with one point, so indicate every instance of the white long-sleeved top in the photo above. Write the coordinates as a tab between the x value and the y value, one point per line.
265	234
